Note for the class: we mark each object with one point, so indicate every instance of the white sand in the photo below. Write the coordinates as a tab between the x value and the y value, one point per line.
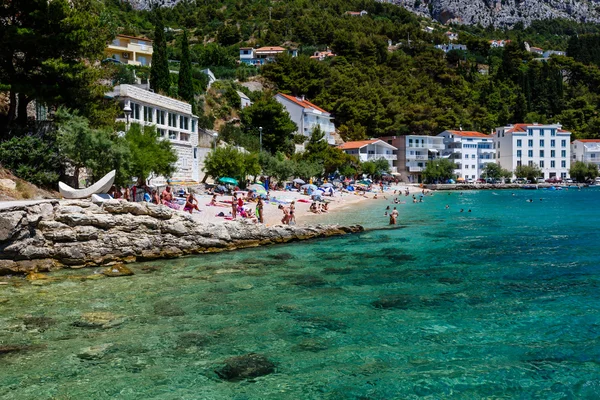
273	216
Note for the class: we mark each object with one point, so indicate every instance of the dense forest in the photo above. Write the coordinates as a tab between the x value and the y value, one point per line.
408	88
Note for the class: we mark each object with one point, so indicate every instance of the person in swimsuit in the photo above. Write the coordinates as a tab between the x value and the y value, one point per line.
259	211
191	203
393	216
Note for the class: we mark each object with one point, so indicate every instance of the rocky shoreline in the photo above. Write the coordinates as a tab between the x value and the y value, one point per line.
73	234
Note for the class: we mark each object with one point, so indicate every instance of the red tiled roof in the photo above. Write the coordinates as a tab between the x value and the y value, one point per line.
302	103
357	144
588	140
135	37
272	48
469	134
518	128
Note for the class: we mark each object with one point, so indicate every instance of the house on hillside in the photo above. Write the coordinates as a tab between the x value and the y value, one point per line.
263	55
173	120
130	50
544	145
307	116
451	36
322	55
448	47
469	150
549	53
244	100
536	50
498	43
356	13
371	150
586	150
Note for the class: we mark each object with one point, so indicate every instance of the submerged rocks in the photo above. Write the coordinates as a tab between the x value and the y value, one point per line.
99	320
117	270
94	352
166	308
250	365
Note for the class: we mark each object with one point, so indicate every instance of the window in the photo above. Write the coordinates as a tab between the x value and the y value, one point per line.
472	155
530	153
184	122
518	163
563	153
552	153
553	143
541	142
530	163
410	142
541	163
541	153
173	135
563	143
518	143
530	143
530	132
173	120
467	166
473	166
135	111
592	155
563	164
553	132
519	153
466	156
552	164
161	132
541	132
160	117
184	137
148	114
194	126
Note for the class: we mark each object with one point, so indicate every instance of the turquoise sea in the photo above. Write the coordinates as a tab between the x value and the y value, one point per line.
501	302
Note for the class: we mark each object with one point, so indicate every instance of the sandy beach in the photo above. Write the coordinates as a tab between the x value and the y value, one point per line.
272	214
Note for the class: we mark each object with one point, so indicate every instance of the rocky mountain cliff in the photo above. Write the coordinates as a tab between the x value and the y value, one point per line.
502	13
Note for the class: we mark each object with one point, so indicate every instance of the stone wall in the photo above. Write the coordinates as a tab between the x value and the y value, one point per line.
74	234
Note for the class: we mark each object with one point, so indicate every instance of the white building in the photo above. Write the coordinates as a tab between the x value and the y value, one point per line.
244	100
452	36
174	121
371	150
263	55
451	46
549	53
469	150
413	153
306	116
547	146
586	150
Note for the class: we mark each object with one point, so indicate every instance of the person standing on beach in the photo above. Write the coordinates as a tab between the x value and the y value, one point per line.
259	211
292	220
234	206
393	216
286	214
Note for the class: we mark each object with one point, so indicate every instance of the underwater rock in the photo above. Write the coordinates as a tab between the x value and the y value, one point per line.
287	309
400	302
99	320
14	348
282	256
117	270
250	365
148	269
94	352
193	339
308	281
42	323
311	344
166	308
35	276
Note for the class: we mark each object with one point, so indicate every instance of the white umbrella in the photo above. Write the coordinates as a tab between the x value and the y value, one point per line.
327	185
300	181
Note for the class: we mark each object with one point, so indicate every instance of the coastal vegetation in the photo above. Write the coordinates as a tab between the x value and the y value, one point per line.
386	77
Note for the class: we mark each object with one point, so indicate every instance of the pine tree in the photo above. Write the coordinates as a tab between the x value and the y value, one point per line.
186	87
160	78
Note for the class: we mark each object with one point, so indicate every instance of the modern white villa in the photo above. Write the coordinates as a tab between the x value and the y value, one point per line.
306	116
174	121
586	150
469	150
263	55
547	146
371	150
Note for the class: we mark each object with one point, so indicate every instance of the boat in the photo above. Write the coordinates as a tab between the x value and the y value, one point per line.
102	186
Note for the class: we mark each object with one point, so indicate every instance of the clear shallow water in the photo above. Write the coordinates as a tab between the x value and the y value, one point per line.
502	302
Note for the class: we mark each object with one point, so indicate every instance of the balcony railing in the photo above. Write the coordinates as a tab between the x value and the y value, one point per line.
391	157
417	157
415	169
434	146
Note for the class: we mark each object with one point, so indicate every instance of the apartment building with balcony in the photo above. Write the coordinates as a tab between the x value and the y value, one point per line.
586	150
469	150
547	146
371	150
130	50
307	116
413	153
173	120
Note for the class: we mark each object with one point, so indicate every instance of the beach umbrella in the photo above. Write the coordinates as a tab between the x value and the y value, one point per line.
309	186
365	182
327	185
257	188
300	181
228	180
